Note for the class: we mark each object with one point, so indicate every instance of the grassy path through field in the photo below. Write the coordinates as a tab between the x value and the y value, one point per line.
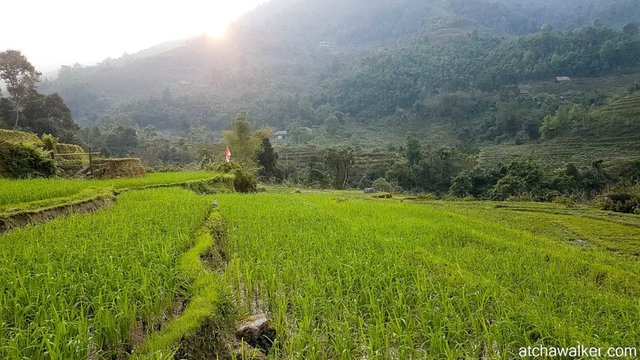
354	278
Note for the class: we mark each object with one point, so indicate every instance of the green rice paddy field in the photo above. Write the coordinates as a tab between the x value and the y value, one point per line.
19	192
340	276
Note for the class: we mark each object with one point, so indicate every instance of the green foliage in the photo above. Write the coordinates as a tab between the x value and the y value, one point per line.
527	180
243	143
339	162
623	203
509	186
413	152
48	114
268	162
381	184
332	124
631	173
565	120
476	182
426	170
26	160
404	77
120	141
30	110
49	141
20	78
245	174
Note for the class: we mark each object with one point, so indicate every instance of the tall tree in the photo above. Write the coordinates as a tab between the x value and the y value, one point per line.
268	161
339	162
414	151
244	145
20	78
49	114
121	141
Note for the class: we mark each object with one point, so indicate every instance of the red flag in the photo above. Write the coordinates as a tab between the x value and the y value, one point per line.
227	154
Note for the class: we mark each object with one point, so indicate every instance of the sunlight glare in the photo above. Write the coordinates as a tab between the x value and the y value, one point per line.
140	25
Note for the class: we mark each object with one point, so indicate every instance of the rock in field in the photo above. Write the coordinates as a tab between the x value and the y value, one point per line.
255	331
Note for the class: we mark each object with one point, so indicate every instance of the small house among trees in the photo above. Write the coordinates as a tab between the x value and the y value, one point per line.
280	136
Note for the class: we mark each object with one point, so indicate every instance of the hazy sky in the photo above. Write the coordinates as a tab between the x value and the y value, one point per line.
63	32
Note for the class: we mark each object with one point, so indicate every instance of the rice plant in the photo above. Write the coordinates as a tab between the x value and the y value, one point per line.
15	192
74	288
367	279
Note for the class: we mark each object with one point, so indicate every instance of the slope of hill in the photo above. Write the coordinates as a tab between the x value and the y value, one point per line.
627	107
284	51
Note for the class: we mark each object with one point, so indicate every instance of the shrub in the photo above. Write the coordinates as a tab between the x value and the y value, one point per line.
49	142
623	203
246	175
508	186
476	182
25	160
381	184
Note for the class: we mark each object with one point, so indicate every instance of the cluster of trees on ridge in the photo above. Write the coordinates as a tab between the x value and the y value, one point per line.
446	63
406	77
24	108
467	80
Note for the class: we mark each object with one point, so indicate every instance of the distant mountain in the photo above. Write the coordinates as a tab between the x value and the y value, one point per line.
280	61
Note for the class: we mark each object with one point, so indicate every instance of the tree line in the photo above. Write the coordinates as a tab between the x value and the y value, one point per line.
24	108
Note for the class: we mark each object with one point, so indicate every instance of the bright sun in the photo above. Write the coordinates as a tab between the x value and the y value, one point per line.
217	16
141	24
218	31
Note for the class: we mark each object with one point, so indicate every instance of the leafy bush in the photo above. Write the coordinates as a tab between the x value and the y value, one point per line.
381	184
623	203
508	186
25	160
49	142
246	175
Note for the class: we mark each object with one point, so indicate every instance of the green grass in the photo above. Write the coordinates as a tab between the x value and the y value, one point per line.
347	277
205	291
76	287
85	195
16	192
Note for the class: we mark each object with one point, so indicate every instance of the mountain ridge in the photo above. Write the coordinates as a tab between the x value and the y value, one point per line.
279	59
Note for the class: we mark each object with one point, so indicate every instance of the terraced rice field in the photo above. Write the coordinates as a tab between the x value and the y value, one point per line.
355	278
77	287
340	276
15	192
554	154
627	107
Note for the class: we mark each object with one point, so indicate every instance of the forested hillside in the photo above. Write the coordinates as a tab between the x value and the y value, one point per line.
288	58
